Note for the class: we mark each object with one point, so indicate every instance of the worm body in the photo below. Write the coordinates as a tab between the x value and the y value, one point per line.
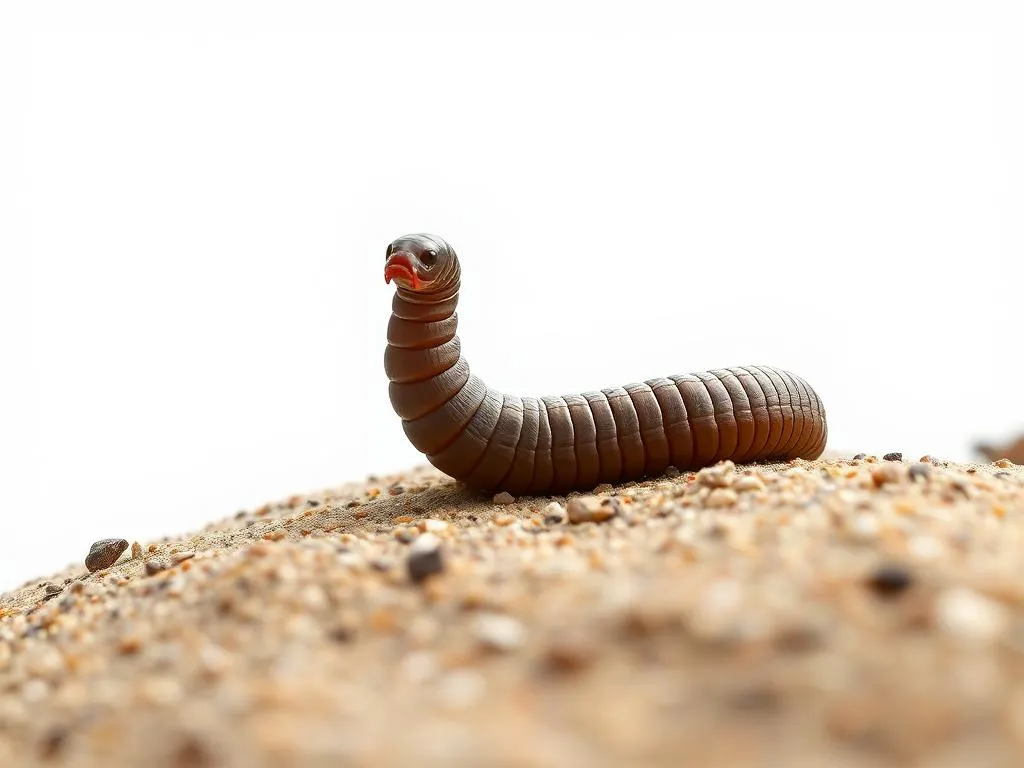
555	444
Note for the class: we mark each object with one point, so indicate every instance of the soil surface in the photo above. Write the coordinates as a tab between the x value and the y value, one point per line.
843	612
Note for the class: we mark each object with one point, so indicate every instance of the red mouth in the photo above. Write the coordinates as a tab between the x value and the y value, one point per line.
400	265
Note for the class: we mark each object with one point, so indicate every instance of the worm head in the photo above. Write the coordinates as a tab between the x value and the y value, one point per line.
419	262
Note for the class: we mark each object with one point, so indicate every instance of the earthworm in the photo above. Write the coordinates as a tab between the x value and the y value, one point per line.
555	444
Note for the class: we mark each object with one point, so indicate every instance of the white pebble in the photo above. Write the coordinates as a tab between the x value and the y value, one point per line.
499	632
553	509
433	525
865	527
504	498
968	615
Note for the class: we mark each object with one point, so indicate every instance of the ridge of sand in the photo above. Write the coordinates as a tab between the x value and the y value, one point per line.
839	612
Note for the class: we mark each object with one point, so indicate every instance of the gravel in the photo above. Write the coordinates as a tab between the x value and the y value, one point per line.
842	612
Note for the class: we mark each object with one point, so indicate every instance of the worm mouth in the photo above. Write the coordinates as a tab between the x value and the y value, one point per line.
401	268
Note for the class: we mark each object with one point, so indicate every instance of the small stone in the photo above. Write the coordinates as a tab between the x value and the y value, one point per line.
920	471
893	457
156	564
1003	463
888	581
865	527
406	534
51	590
498	632
104	553
136	551
671	471
749	483
504	498
860	457
554	513
720	498
433	525
425	558
718	476
590	509
885	473
968	615
181	557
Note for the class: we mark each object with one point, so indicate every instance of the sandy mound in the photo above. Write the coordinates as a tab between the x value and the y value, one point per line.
839	612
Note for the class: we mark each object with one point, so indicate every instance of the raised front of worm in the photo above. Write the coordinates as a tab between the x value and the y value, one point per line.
555	444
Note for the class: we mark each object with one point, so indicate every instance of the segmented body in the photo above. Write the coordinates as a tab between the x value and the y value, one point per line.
554	444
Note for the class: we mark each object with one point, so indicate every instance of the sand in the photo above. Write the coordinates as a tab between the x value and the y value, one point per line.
844	612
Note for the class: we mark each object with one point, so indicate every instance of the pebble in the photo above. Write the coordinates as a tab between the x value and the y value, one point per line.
718	476
890	580
721	497
749	483
52	590
425	558
104	553
967	615
590	509
893	457
406	534
554	513
499	632
920	471
865	527
504	498
157	564
885	473
433	525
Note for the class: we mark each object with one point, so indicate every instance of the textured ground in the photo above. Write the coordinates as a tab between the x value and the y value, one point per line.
862	612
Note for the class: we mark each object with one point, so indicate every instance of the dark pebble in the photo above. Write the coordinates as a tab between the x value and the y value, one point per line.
425	558
156	564
893	457
919	470
51	590
890	580
342	633
554	519
860	456
104	553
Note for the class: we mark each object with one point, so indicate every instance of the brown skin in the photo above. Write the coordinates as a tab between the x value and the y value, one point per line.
556	444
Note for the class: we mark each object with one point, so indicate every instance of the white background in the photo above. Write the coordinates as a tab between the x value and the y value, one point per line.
195	199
